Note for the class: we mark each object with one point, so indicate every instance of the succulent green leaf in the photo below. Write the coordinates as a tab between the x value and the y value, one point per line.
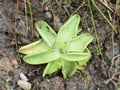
67	32
42	58
76	56
68	68
46	32
52	67
81	64
80	43
35	47
79	29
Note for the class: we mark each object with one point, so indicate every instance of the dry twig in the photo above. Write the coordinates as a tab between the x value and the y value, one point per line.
106	6
15	29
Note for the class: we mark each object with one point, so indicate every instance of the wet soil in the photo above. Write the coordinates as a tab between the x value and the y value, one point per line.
96	76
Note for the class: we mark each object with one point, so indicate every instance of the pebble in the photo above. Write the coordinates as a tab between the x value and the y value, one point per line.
23	77
24	85
48	14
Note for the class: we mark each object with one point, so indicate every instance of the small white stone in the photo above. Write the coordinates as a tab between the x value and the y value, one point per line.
48	14
23	77
24	85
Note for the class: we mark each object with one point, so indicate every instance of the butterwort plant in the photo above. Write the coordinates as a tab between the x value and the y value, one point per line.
66	50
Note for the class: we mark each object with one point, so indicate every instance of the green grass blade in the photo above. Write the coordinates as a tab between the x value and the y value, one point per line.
97	8
31	15
108	10
94	27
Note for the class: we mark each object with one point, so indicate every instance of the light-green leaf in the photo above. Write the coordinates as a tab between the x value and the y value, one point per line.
68	68
35	47
82	64
52	67
80	43
42	58
79	29
67	32
46	32
76	56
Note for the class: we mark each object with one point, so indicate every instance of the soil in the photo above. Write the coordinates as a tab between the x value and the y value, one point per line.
99	73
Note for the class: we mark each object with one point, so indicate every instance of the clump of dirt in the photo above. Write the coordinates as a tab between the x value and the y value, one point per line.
99	69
